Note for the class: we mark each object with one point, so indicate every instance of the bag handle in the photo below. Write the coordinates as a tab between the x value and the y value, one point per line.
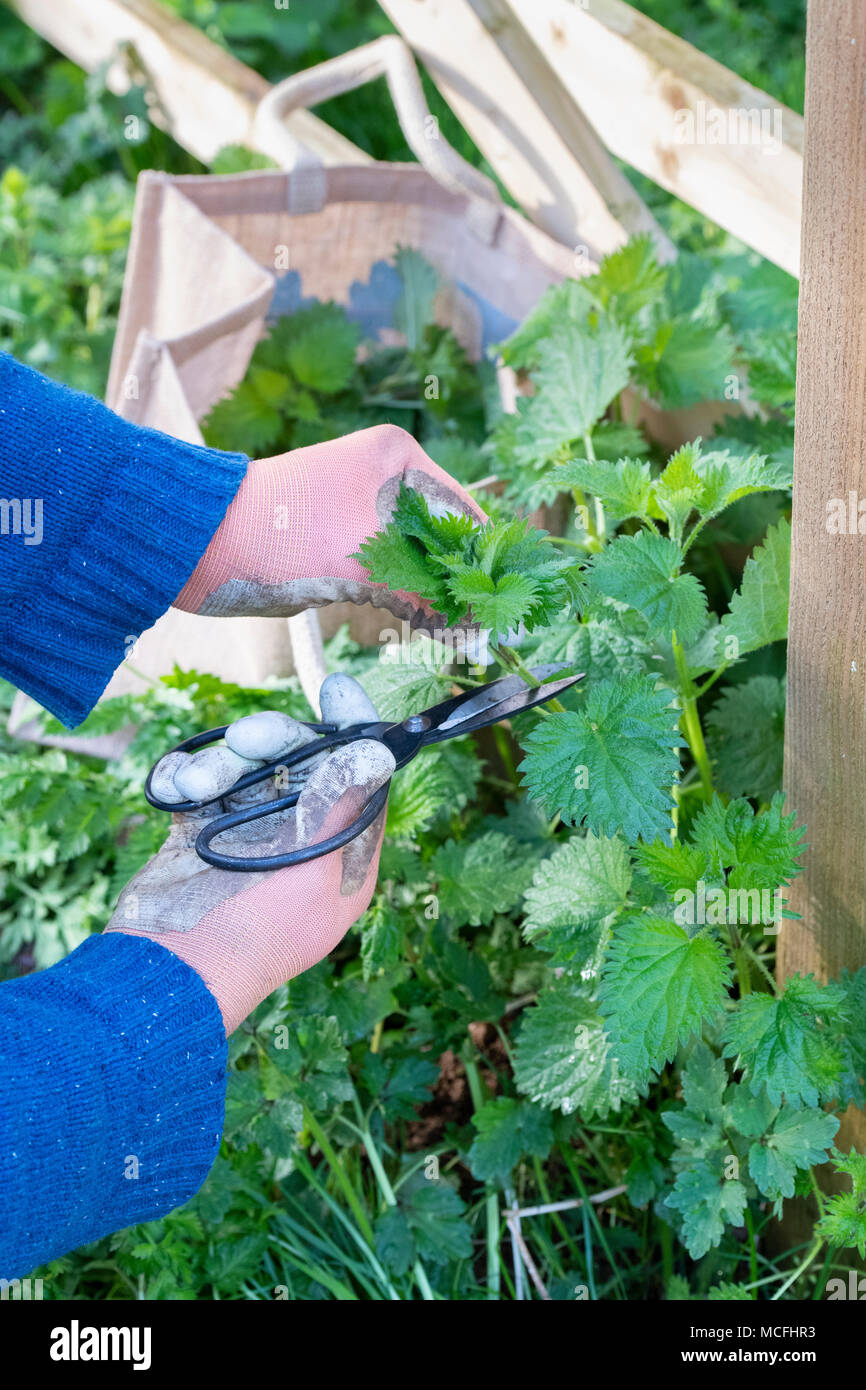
389	57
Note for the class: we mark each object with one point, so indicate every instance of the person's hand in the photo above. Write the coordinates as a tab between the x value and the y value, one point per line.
286	541
247	933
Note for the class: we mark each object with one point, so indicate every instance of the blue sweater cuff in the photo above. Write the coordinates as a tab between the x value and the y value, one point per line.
112	519
112	1093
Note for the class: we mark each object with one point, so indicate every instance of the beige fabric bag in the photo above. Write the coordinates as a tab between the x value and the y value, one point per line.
210	256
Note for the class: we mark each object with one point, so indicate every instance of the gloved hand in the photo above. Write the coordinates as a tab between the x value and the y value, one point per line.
247	933
286	540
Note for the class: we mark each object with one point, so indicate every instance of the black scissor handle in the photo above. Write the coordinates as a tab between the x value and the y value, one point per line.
239	863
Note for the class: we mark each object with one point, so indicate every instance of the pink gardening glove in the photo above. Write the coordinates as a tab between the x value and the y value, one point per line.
247	933
286	540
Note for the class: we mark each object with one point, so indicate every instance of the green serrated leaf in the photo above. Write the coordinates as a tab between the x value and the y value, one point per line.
584	881
382	939
659	985
760	848
672	866
643	572
479	877
629	279
611	764
413	311
746	731
563	1061
580	370
785	1043
759	611
624	486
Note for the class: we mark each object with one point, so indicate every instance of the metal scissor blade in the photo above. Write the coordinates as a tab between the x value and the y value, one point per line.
492	695
503	699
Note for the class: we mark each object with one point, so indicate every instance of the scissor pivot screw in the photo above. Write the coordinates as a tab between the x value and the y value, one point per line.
416	723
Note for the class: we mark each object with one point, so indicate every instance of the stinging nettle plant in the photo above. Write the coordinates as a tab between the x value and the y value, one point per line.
575	923
650	899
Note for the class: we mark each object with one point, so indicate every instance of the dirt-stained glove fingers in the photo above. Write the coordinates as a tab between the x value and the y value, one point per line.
340	787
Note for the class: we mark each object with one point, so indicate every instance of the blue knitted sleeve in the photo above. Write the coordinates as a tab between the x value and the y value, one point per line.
112	1091
102	523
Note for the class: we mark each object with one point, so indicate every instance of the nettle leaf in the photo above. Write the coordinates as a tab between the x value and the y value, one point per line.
760	848
643	572
706	1201
508	570
244	421
424	787
562	1059
707	483
601	646
686	361
726	479
629	279
610	764
440	535
498	604
746	733
582	882
566	303
399	562
322	349
797	1139
659	985
677	488
413	311
507	1130
758	613
624	486
580	370
844	1222
672	865
787	1043
516	548
480	877
382	939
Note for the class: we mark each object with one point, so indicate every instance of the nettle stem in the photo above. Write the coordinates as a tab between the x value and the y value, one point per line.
690	722
508	656
480	1095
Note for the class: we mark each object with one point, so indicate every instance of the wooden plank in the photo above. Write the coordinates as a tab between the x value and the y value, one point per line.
209	98
513	117
558	103
825	745
679	117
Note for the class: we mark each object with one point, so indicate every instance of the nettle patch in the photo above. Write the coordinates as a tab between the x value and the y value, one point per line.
565	980
658	894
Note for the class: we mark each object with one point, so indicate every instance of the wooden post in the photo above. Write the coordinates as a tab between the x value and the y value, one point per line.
825	746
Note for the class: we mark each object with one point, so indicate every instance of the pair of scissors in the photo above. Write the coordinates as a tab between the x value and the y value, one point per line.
462	714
